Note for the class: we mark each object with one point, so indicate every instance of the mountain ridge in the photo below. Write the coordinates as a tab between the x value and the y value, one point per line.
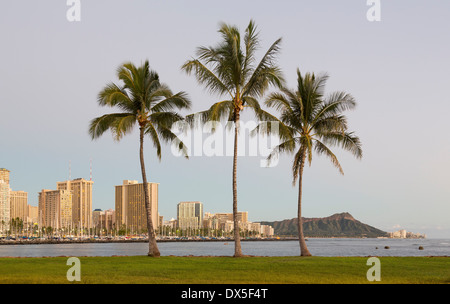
336	225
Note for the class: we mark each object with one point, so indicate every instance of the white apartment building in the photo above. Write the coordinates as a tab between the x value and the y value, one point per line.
5	208
190	215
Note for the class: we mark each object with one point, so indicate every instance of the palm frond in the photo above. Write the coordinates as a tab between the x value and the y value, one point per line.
112	122
217	112
297	163
319	82
166	119
309	93
265	74
206	77
151	131
335	123
346	140
168	136
322	149
286	146
230	68
171	102
122	126
306	142
113	95
336	103
270	125
278	101
251	42
251	102
197	119
125	74
220	110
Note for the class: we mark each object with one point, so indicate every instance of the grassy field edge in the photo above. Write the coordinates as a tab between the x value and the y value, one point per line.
225	270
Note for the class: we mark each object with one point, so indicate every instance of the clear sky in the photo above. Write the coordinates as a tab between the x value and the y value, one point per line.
397	69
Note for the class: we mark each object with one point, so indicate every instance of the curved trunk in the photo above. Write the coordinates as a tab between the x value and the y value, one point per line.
153	250
301	238
237	238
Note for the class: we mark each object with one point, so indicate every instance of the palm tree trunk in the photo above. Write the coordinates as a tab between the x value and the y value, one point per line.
153	250
301	238
237	239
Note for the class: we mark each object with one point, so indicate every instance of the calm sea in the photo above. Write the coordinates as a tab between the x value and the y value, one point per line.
317	247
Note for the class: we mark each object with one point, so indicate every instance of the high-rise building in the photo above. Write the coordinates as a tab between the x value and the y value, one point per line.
96	217
190	215
4	206
242	217
103	221
130	205
33	212
19	205
81	201
4	175
255	227
267	230
224	221
210	221
108	219
55	208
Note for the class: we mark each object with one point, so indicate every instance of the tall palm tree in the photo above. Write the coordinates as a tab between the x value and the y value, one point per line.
230	69
311	122
144	100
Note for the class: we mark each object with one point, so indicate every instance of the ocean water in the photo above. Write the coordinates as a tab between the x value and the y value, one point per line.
317	247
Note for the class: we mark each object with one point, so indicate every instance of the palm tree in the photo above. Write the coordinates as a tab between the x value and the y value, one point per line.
144	100
229	69
308	122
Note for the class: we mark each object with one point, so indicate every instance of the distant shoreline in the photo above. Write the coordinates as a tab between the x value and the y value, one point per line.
93	241
90	241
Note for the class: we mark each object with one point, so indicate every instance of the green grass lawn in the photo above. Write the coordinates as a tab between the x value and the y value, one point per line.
226	270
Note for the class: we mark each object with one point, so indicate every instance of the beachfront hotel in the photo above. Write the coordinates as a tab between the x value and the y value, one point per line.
4	175
19	205
190	215
130	210
103	220
225	220
55	208
13	204
4	206
33	214
81	201
242	217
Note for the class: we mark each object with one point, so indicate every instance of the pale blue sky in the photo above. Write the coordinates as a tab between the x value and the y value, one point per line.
397	69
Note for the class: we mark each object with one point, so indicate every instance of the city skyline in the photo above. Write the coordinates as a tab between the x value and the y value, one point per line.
401	182
122	197
130	203
62	210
